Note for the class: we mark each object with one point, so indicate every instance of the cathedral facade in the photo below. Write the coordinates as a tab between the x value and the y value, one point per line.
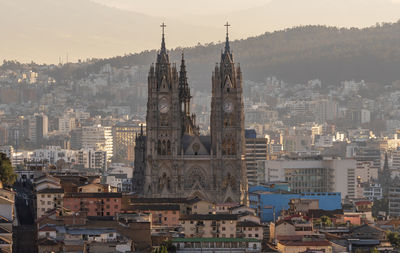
172	160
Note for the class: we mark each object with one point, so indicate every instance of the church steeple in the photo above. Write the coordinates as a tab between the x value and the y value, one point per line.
162	56
226	55
227	49
163	50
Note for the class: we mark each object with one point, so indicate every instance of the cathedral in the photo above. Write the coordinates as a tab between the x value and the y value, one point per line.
172	160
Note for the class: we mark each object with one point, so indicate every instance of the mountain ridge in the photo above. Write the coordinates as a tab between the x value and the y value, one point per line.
294	55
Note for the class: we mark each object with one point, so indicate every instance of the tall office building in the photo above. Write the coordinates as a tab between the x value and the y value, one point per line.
124	135
256	150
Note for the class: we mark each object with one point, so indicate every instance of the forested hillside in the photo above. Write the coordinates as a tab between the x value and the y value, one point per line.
295	55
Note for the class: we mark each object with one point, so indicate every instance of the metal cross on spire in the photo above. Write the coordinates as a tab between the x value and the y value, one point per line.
163	50
163	26
227	28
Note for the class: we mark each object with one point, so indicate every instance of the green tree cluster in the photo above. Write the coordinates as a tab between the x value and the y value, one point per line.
7	174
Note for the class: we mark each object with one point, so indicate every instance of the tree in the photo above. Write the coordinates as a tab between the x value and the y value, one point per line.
374	250
394	238
7	175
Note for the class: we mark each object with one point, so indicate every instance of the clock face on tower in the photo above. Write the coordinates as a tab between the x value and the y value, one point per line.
228	106
163	105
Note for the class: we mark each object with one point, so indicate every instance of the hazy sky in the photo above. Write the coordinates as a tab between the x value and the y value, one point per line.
47	30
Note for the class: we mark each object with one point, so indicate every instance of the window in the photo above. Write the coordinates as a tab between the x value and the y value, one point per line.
49	196
165	218
256	235
254	246
195	207
108	213
223	228
110	235
47	234
108	206
108	200
115	200
116	206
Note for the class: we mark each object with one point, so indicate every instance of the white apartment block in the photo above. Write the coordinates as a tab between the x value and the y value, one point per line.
99	138
334	175
52	154
92	159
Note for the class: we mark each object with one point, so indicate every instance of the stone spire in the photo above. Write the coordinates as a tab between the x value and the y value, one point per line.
163	49
183	84
227	49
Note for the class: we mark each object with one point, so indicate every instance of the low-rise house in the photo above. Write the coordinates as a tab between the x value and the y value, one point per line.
48	199
367	237
94	187
95	204
161	215
210	245
304	245
249	229
209	225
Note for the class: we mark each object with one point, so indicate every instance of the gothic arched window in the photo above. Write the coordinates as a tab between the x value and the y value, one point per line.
168	147
164	148
159	147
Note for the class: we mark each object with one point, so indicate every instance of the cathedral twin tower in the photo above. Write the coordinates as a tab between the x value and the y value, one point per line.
173	160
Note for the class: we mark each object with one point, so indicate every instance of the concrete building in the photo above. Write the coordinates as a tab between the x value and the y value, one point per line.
269	205
256	150
124	136
98	137
53	154
303	176
66	124
36	128
95	204
48	199
209	225
92	159
216	245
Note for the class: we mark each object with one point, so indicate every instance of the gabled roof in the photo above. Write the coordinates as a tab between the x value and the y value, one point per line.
51	190
161	200
218	216
4	220
155	207
47	242
93	195
248	224
306	243
7	200
187	140
318	213
47	228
